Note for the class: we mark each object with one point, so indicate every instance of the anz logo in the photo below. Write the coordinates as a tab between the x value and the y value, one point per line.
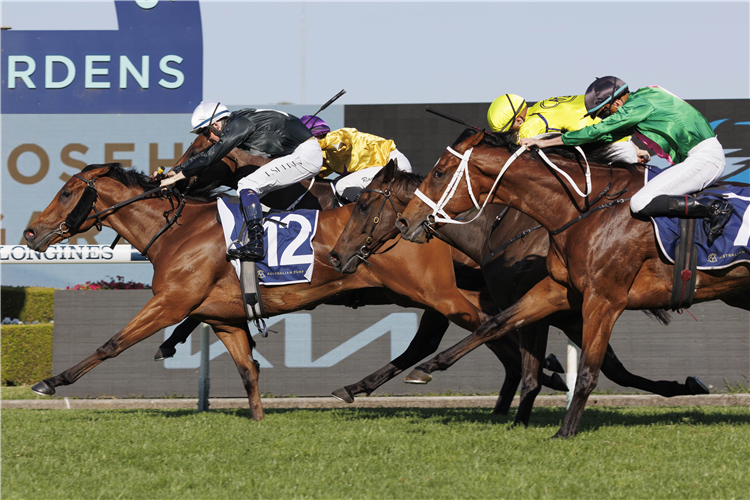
298	343
153	63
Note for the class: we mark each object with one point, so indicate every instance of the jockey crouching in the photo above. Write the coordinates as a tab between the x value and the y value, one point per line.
555	115
676	131
356	156
269	133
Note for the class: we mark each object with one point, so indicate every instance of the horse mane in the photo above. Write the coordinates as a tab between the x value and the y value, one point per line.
595	151
406	182
133	178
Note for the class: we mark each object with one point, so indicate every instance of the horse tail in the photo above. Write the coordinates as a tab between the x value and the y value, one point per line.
660	315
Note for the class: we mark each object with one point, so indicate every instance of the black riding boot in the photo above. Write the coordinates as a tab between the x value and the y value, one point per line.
254	249
715	213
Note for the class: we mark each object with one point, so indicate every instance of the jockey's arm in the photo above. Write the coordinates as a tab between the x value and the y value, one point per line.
542	143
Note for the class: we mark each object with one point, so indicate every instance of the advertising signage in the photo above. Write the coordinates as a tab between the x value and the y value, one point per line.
153	63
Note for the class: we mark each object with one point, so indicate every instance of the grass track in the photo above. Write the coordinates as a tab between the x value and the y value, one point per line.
375	453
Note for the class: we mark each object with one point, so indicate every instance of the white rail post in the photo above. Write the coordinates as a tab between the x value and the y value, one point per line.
204	381
571	371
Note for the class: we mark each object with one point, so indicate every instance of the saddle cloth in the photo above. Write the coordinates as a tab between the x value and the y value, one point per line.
289	254
730	248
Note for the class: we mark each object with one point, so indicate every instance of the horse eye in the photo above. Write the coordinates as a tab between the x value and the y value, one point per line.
65	194
438	174
362	207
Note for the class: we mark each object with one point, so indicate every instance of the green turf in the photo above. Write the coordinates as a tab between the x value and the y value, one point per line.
684	452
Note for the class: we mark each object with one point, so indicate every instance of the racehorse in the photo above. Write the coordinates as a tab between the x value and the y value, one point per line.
510	270
193	278
601	260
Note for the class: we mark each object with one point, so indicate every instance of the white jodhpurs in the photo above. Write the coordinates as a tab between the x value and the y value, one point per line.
703	166
305	162
350	185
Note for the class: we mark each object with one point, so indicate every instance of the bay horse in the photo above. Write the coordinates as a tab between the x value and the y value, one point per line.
601	260
510	270
192	276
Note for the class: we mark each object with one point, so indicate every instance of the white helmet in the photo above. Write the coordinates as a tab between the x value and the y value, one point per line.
206	113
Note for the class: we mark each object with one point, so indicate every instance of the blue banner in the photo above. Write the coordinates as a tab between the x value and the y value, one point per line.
153	63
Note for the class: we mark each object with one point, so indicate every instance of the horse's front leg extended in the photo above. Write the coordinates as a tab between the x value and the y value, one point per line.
599	316
544	299
158	313
240	345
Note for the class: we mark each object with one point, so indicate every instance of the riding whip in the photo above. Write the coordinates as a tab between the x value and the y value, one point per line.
452	118
324	106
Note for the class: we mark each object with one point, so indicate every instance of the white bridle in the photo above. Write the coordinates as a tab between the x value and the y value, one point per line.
439	215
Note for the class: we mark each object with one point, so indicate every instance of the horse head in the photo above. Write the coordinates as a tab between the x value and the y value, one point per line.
68	212
373	218
445	183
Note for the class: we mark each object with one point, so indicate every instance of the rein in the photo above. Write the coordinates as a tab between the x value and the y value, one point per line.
90	184
439	215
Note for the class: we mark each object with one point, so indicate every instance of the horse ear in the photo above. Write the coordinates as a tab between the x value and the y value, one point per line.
475	139
389	171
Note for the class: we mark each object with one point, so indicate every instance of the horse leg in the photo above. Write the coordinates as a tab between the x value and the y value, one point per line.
545	298
179	336
432	328
533	344
614	370
600	315
506	350
158	313
239	343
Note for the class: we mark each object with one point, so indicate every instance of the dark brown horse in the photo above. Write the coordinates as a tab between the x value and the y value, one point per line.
193	278
510	270
602	264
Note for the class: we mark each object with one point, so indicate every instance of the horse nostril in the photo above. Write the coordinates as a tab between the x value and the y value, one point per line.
401	224
29	234
334	258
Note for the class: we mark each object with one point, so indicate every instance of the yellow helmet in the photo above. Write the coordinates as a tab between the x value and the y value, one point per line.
503	112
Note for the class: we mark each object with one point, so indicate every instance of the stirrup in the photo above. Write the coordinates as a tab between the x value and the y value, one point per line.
720	213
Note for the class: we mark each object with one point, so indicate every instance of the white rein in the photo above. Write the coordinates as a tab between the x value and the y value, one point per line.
439	215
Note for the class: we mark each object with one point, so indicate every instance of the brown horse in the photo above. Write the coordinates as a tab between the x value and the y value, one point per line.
193	278
510	270
601	260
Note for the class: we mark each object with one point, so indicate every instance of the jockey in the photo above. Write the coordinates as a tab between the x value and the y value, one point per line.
671	127
553	115
269	133
355	155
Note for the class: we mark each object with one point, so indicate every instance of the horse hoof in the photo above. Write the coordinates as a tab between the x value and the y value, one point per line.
43	389
164	353
696	387
552	363
557	383
417	377
343	395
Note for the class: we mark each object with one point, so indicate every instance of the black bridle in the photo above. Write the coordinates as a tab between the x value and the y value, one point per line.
87	203
368	248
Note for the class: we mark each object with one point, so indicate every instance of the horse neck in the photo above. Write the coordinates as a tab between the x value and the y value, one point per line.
140	221
471	238
531	187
